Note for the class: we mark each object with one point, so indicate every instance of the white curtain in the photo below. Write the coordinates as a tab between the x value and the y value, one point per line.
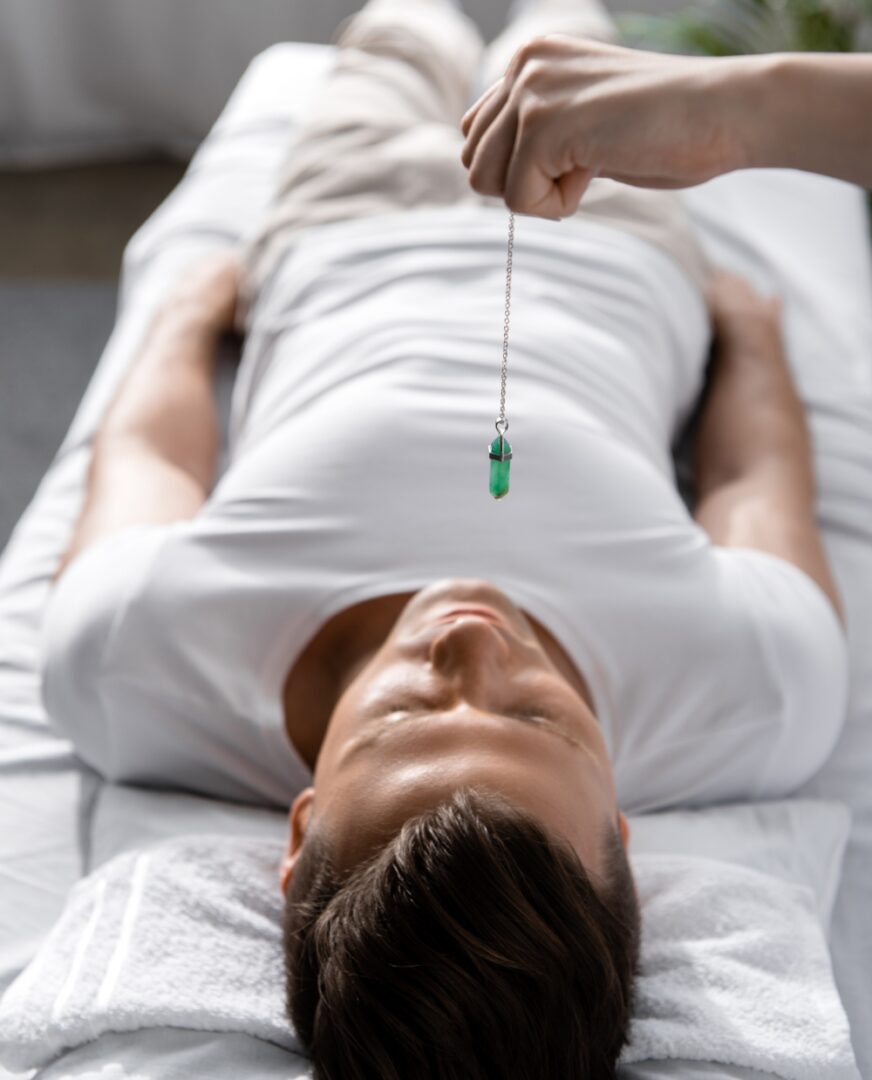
102	78
96	79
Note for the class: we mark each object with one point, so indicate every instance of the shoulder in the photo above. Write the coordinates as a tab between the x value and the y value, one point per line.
741	683
785	605
83	612
803	650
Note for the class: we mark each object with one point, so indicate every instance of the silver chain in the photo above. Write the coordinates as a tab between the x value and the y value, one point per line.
502	423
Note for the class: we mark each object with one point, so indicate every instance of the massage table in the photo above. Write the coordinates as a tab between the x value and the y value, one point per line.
805	236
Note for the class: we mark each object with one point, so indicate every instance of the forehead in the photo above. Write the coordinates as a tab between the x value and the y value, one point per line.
384	783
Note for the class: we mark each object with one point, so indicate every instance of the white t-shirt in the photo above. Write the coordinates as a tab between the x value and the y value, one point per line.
362	413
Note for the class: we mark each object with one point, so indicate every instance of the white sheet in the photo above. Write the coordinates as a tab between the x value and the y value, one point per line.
809	232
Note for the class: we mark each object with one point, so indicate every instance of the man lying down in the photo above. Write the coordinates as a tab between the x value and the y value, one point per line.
458	696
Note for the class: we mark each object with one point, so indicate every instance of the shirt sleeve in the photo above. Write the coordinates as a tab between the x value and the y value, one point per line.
803	649
84	609
131	676
734	681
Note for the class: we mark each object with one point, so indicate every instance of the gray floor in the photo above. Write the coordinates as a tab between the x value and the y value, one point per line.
51	336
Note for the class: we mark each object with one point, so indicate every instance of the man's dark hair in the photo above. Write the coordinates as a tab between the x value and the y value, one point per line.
473	946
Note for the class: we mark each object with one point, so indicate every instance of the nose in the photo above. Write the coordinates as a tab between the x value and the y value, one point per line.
471	647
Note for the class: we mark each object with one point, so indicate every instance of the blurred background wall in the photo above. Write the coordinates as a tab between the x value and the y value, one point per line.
107	78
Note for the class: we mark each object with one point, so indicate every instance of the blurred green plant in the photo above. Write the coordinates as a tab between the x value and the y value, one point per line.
742	27
736	27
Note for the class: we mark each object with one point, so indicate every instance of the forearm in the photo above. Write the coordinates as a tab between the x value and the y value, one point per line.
155	454
802	111
752	421
165	407
756	473
755	467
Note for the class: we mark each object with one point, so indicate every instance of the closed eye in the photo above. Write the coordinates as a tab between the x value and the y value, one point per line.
535	717
533	712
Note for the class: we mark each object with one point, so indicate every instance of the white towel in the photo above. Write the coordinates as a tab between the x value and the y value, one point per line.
187	934
735	970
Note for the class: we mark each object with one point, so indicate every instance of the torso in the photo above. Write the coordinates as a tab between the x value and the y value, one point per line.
357	437
364	404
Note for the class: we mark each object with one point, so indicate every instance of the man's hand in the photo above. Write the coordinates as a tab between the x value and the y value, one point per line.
747	329
209	293
569	109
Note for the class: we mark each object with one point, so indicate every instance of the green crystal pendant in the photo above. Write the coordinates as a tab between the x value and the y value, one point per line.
500	454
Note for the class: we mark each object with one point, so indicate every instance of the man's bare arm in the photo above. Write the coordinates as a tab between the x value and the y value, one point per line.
155	453
755	467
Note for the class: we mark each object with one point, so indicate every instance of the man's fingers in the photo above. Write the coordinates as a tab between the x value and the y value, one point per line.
489	110
487	173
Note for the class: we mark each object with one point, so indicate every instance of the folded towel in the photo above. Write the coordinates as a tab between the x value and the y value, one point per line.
184	934
735	970
187	934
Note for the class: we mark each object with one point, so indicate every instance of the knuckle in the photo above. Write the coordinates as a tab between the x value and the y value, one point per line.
532	113
530	51
526	53
535	75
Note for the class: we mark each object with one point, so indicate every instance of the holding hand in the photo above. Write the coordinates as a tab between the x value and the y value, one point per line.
569	109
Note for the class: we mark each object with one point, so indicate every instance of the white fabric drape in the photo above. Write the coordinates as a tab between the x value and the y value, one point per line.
85	79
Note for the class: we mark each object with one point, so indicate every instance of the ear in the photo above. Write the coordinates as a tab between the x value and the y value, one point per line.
298	820
624	827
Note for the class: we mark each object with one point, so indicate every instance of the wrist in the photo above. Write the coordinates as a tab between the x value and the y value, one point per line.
759	100
189	317
182	338
204	300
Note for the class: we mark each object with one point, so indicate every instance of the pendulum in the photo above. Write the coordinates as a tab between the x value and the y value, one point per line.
500	454
500	450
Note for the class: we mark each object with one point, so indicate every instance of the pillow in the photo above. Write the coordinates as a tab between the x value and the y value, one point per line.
187	934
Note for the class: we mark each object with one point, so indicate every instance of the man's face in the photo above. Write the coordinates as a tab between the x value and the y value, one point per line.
458	698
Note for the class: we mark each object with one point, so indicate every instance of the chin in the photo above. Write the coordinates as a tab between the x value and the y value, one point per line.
464	590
